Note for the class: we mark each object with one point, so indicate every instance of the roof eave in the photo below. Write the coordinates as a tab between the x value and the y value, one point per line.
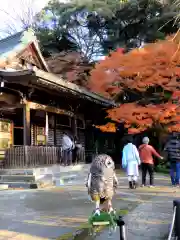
53	79
73	87
43	62
6	73
21	46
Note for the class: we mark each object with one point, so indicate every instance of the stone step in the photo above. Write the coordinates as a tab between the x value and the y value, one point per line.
53	169
23	185
55	175
73	174
17	178
58	181
16	172
69	180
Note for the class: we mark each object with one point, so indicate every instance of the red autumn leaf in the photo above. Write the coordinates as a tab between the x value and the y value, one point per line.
149	72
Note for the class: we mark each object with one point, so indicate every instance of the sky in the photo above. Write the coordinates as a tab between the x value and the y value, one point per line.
11	10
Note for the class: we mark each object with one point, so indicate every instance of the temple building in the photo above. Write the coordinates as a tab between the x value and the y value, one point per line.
36	106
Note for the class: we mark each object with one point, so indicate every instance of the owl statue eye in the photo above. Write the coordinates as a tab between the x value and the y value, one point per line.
108	163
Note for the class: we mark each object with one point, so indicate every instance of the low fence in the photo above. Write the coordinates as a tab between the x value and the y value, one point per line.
34	156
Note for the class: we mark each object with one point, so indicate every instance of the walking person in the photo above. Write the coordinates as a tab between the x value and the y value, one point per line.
67	147
173	149
131	161
146	152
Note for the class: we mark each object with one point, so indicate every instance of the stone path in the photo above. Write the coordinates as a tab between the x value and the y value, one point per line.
152	218
58	212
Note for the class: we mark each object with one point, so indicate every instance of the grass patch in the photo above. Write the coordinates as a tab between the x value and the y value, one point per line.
162	169
82	231
123	212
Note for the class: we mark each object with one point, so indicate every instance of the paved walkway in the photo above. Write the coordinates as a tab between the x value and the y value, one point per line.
53	213
152	218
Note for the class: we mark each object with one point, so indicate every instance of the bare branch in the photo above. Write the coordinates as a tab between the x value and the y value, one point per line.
22	18
4	11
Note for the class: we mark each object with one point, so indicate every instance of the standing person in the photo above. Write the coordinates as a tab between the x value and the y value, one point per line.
77	150
173	149
146	152
131	161
67	147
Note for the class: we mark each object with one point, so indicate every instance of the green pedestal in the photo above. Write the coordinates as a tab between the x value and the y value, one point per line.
104	219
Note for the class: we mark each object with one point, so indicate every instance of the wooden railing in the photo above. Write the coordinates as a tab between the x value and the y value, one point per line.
34	156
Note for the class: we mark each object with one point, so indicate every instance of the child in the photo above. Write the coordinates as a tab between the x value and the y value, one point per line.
102	182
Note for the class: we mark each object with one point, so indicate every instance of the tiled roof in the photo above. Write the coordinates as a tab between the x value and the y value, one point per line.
15	44
9	44
54	79
59	82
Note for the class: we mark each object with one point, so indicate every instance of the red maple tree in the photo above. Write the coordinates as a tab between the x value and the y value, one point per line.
146	84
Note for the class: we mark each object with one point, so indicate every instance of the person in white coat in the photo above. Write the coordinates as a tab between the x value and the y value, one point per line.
131	161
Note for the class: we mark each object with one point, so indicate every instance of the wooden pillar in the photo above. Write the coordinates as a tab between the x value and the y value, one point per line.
74	126
26	125
47	128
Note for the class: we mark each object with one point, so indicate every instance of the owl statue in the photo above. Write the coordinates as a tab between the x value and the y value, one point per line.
102	182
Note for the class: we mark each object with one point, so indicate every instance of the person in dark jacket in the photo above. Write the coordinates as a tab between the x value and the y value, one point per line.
76	151
67	147
173	149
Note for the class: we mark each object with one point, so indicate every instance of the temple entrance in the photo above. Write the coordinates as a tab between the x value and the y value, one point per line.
18	136
18	127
